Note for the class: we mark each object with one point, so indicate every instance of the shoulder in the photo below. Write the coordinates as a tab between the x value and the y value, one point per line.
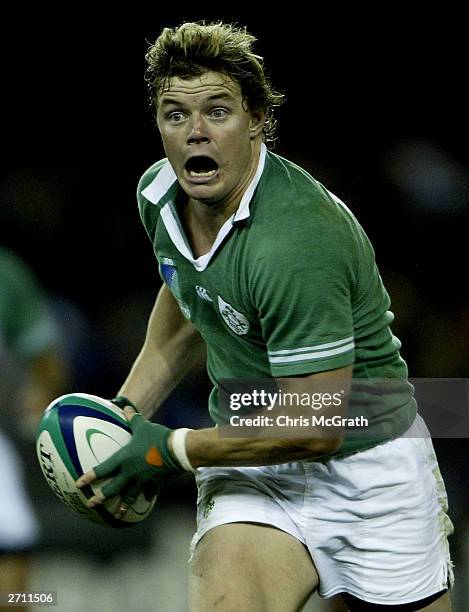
152	187
293	207
150	177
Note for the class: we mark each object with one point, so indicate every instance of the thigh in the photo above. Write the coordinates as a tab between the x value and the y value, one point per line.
379	526
250	567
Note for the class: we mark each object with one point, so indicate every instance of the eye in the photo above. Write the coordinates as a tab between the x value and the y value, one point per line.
219	113
175	116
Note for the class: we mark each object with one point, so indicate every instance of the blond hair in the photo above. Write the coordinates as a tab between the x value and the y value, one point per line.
193	48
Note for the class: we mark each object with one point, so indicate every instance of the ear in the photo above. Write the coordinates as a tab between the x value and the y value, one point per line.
256	122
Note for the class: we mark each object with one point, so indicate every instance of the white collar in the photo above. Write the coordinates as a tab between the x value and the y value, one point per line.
162	183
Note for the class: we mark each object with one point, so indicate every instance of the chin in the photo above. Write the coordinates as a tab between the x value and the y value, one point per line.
203	193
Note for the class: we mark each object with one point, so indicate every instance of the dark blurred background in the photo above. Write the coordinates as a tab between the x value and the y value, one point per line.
376	110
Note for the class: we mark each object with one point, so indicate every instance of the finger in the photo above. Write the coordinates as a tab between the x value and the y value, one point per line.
108	467
118	507
122	510
110	489
114	486
130	412
86	479
115	505
135	419
96	500
129	497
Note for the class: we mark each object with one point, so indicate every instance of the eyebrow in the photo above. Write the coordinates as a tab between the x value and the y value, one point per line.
217	96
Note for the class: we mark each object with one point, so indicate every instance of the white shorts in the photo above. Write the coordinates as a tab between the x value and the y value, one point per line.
374	522
18	526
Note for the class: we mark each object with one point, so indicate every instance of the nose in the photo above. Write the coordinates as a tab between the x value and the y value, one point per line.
198	133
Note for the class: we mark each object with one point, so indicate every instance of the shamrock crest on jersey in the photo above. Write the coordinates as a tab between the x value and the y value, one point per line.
235	320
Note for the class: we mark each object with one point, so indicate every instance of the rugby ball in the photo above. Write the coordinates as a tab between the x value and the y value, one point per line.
76	432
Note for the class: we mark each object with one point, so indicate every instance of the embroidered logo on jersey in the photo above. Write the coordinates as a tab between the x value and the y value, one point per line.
203	293
235	320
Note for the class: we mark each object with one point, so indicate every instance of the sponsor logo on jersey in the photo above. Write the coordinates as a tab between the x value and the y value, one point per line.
203	293
235	320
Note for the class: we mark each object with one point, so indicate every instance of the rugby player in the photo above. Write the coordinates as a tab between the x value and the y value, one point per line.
270	273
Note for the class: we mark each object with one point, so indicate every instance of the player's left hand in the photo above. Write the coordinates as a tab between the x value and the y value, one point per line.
145	459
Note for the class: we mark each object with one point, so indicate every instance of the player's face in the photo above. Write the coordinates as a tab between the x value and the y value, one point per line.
210	137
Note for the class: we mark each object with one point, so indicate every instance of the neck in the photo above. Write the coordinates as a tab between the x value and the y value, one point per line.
214	214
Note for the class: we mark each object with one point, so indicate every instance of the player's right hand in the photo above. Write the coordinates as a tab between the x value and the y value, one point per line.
145	458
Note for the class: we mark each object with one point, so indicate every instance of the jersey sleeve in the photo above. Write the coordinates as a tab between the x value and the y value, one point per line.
302	291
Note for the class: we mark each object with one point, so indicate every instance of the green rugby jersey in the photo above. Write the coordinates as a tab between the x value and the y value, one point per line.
290	287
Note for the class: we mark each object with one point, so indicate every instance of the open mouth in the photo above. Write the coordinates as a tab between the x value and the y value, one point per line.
201	166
